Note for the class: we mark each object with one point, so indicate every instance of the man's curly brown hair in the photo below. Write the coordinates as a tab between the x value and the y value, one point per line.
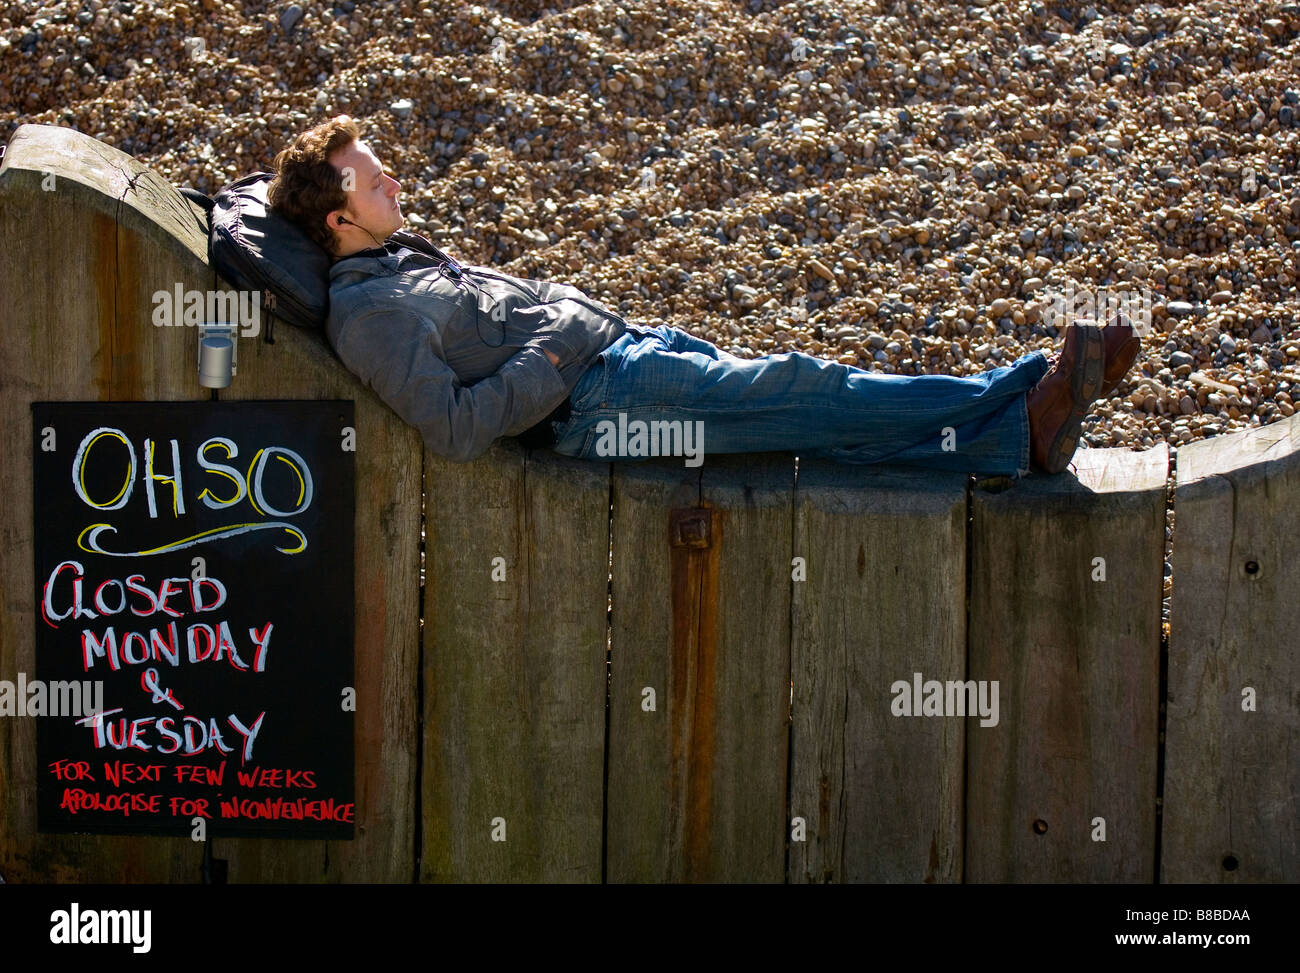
306	187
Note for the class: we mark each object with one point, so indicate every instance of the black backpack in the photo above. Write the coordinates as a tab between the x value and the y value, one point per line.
256	249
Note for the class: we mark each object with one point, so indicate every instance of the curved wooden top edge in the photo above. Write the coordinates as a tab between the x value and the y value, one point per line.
1253	453
1121	470
38	151
52	158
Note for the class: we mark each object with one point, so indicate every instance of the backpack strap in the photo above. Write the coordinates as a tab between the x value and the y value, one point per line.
203	199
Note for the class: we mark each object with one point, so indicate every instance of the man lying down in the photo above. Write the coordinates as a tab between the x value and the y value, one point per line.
468	354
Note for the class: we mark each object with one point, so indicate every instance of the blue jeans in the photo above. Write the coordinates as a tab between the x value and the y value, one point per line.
800	403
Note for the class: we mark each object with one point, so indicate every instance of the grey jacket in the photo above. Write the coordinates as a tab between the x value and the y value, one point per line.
461	355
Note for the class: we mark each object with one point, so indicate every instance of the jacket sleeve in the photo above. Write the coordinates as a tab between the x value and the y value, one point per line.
392	351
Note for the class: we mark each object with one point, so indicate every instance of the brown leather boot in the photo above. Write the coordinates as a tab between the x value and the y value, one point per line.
1058	403
1122	347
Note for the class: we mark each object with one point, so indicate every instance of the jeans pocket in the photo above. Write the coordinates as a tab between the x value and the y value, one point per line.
591	386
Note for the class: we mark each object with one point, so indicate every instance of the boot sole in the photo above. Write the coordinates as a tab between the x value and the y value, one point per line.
1126	357
1085	388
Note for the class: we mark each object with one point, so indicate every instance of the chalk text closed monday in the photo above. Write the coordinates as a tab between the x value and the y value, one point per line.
65	596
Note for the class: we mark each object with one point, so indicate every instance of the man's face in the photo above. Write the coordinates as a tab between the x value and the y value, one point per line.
372	200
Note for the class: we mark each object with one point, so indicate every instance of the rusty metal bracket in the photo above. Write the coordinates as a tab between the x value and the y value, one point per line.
690	527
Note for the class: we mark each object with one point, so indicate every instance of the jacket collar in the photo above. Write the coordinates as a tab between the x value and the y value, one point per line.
370	260
401	244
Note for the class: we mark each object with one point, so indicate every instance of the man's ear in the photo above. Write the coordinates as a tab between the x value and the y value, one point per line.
331	224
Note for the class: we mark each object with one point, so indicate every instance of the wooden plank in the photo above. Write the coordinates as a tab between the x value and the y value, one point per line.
881	795
1231	774
514	669
745	841
386	621
697	785
74	292
1077	661
643	840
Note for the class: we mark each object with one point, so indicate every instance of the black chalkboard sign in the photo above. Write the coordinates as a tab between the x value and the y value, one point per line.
194	595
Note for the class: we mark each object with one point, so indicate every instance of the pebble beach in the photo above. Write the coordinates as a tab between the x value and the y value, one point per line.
906	187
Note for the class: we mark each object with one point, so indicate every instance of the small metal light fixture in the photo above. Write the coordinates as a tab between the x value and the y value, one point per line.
217	356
